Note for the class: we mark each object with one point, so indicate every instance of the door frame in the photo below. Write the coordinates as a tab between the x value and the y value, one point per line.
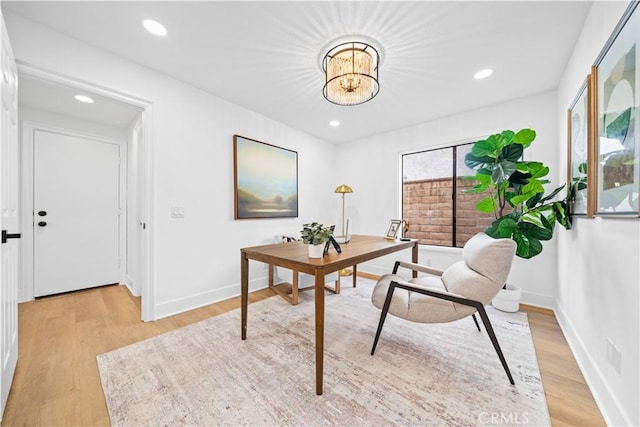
145	200
136	223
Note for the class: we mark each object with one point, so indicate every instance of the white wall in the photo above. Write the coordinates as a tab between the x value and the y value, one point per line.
35	115
376	197
197	257
598	296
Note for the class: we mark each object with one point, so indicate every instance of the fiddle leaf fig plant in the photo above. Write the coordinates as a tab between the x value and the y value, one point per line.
315	233
515	191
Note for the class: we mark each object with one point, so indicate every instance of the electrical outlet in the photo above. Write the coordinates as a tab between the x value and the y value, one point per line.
614	356
177	211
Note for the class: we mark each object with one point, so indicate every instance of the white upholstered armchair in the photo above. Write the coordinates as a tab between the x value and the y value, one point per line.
457	292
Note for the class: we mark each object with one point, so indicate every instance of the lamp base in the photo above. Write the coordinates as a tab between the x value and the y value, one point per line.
345	272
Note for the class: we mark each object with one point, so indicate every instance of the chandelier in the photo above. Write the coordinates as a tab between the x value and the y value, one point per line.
351	73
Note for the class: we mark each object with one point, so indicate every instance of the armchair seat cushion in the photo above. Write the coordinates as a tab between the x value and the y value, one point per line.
414	306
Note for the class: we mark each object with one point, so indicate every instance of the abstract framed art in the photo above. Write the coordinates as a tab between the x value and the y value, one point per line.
616	90
265	180
579	152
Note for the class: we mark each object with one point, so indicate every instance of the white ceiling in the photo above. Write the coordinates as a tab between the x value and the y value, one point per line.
47	96
266	56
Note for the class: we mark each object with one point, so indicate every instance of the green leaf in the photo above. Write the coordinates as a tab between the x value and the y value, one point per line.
485	148
492	230
519	178
530	231
512	152
545	222
506	226
522	198
486	205
503	171
533	187
522	249
537	169
534	200
535	247
525	137
553	194
561	210
474	162
479	188
501	140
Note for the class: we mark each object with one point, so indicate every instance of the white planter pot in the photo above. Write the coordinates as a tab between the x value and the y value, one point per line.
508	299
315	251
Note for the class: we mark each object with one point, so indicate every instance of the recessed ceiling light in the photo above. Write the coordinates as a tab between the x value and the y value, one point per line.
154	27
334	123
83	98
483	74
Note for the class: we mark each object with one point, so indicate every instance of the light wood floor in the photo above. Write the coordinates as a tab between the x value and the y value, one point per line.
57	381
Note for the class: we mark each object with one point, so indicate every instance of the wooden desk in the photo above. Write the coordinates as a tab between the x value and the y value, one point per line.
295	257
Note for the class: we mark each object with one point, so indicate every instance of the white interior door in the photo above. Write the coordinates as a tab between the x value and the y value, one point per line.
76	213
9	220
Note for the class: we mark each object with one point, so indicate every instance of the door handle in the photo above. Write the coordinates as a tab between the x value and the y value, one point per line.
42	224
6	236
42	213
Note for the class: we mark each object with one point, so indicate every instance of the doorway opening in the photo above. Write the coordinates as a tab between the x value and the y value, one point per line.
114	132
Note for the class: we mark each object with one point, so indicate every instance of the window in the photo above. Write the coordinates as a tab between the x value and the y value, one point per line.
433	201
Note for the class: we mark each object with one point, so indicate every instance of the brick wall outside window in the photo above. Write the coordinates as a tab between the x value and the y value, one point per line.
428	206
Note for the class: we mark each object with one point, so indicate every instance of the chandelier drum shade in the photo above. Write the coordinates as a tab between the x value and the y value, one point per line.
351	73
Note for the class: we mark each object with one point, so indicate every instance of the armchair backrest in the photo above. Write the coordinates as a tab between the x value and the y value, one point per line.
484	269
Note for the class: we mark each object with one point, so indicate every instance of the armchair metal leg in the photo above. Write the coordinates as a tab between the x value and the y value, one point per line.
476	321
494	341
383	315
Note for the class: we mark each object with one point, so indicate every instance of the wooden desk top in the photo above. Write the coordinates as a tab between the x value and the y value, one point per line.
294	255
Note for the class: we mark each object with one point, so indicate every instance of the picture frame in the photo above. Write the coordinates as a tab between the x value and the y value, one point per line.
616	126
579	152
265	180
392	229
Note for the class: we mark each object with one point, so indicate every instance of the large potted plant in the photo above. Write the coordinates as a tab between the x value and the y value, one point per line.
315	235
515	196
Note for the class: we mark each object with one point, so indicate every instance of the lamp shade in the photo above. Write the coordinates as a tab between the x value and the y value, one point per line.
343	189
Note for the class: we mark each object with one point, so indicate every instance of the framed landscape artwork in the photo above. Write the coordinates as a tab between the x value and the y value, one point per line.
265	180
616	84
578	156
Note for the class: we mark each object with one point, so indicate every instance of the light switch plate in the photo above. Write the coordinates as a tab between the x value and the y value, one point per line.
177	211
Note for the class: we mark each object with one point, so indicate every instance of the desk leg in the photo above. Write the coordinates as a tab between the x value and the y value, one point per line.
355	274
319	295
244	293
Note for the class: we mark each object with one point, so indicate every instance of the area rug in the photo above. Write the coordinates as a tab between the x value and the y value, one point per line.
446	374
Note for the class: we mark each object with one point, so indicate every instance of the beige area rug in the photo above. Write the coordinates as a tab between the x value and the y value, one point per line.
204	374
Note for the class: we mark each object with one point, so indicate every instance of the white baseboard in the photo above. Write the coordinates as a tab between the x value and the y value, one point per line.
128	282
180	305
538	300
610	407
